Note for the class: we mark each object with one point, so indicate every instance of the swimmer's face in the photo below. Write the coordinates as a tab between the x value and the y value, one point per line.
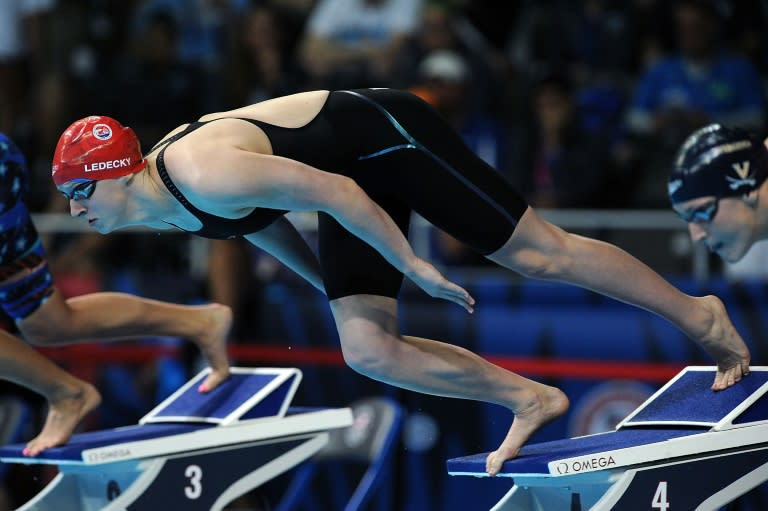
99	206
726	226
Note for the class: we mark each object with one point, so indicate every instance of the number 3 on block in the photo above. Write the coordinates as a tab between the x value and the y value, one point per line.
195	475
660	497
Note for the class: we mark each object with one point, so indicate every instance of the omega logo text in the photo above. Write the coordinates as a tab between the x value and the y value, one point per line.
585	465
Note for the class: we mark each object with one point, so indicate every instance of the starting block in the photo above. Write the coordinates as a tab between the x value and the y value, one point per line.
686	447
194	451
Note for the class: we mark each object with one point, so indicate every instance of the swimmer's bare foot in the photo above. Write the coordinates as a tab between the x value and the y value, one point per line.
213	343
64	414
724	344
545	406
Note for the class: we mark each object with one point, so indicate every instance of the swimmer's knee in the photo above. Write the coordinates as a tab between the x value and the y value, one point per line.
371	356
50	324
39	335
41	329
541	266
547	256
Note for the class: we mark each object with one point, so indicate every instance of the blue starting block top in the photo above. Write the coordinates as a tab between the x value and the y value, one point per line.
684	418
687	400
248	393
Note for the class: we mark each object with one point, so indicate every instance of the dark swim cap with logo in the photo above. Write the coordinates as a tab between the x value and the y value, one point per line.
717	161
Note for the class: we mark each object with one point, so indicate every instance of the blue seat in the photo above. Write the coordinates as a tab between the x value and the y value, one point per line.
598	333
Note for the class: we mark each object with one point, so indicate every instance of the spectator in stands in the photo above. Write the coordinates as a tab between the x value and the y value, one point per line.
584	39
22	52
32	100
203	29
447	83
558	163
355	43
591	43
154	75
444	28
262	63
701	83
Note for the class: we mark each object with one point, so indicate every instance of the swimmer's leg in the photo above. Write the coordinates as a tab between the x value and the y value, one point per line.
69	398
115	316
371	344
541	250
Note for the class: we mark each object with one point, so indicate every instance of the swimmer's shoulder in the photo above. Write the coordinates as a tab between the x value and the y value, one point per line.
290	111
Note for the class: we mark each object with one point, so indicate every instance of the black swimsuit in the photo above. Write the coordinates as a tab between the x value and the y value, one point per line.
406	158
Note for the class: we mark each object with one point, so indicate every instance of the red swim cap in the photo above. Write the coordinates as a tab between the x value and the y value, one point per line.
96	148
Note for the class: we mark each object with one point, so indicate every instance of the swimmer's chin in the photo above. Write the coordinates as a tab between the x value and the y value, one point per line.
101	228
731	257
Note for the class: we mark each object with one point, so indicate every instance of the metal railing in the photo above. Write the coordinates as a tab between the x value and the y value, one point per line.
569	219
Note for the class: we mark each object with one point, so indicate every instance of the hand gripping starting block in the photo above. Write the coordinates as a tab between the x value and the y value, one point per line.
194	451
685	448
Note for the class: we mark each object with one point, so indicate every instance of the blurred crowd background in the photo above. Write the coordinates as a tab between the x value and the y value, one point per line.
580	103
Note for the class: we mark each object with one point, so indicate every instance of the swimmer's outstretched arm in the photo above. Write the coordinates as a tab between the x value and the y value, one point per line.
238	180
283	241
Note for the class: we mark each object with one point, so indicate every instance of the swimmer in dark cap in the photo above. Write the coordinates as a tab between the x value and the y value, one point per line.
717	185
365	160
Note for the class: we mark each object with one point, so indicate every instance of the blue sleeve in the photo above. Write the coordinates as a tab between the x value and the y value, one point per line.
749	85
645	96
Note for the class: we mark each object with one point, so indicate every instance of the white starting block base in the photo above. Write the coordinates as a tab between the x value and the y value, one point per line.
685	448
193	452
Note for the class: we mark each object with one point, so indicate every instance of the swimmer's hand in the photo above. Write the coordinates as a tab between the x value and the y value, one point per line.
426	276
724	344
